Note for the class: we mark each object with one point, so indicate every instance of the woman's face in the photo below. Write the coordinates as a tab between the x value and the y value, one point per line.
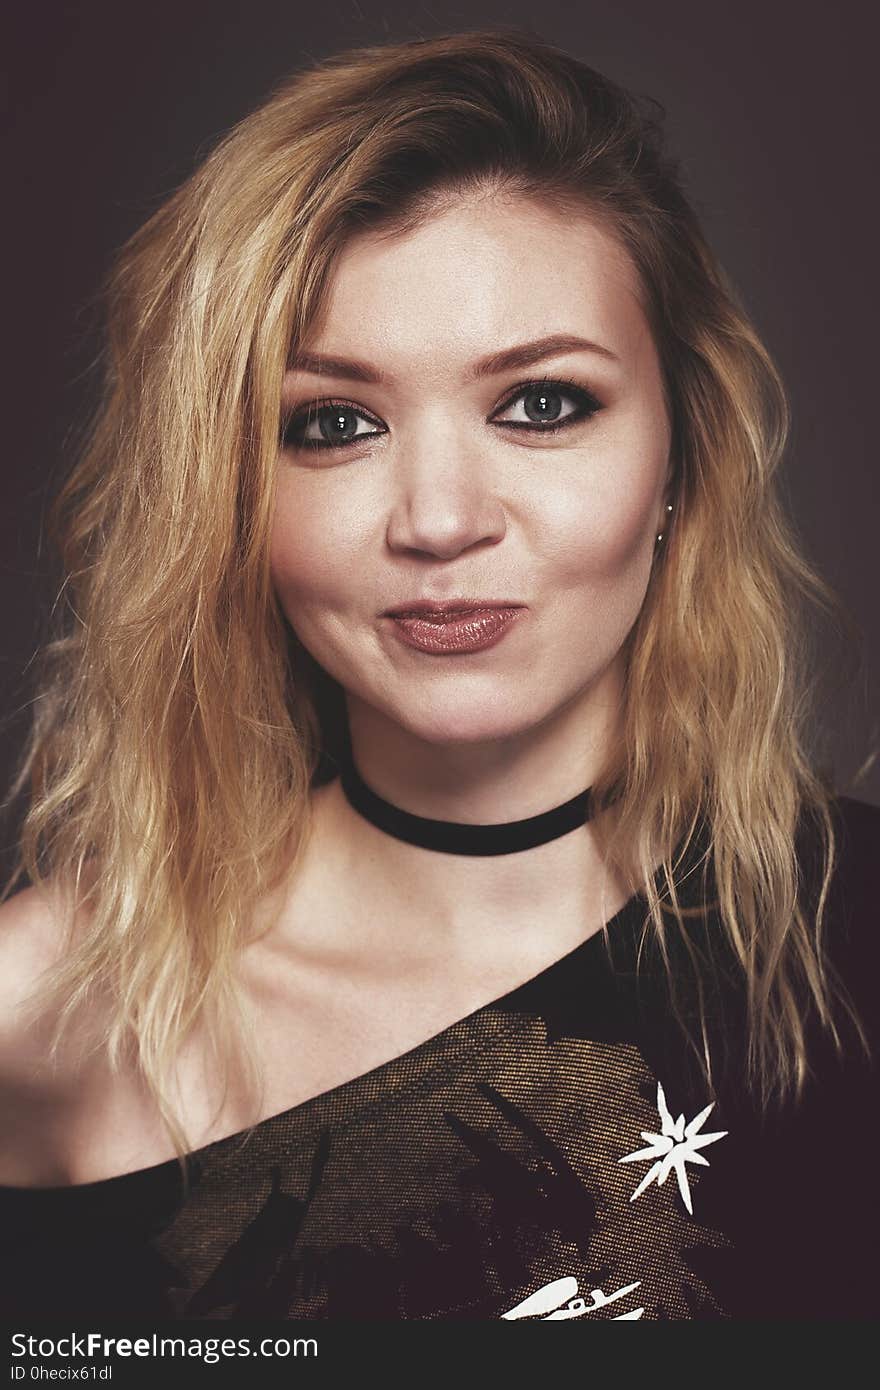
453	486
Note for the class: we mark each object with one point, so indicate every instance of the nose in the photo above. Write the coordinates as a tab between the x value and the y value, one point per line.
446	499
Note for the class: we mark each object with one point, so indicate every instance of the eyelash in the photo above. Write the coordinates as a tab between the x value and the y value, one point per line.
586	402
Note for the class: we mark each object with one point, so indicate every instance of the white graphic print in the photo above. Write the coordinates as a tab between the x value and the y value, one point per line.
563	1291
675	1145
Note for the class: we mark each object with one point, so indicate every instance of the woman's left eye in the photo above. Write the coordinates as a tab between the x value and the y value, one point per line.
541	406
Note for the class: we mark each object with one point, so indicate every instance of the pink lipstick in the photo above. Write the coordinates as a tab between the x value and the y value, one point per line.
447	631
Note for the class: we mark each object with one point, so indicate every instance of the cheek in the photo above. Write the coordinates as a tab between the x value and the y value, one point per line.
593	543
605	534
312	551
600	543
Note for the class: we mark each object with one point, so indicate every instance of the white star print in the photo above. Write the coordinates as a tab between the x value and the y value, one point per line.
675	1145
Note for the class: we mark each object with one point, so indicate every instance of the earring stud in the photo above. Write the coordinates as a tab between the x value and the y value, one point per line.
669	509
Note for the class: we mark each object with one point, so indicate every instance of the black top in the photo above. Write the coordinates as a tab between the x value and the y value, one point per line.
556	1154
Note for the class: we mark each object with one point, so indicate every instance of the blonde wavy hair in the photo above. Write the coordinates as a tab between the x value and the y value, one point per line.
178	730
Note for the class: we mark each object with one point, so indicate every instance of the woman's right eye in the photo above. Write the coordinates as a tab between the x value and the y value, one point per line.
328	425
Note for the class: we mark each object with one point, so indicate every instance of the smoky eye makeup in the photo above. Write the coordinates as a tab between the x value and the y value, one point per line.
543	401
329	424
548	405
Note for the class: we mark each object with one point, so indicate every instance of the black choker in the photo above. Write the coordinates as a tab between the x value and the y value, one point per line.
452	837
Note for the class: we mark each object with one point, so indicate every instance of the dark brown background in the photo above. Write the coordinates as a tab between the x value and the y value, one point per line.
771	106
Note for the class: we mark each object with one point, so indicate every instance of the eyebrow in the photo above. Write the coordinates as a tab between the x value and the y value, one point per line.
507	359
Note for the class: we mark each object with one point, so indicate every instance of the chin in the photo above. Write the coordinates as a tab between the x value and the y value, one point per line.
471	724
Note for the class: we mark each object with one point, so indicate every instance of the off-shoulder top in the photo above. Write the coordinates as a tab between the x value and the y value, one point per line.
557	1154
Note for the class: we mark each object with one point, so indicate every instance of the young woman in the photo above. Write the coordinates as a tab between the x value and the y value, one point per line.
435	911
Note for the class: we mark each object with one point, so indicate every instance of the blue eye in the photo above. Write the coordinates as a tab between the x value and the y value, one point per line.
543	403
328	425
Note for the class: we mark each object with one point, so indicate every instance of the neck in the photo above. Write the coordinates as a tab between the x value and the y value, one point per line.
482	783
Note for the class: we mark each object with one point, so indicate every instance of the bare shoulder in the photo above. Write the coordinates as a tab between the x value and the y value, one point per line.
33	936
37	1096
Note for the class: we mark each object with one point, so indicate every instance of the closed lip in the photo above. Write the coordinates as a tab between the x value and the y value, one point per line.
422	607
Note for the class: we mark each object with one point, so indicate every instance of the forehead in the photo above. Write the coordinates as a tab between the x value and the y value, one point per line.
481	272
